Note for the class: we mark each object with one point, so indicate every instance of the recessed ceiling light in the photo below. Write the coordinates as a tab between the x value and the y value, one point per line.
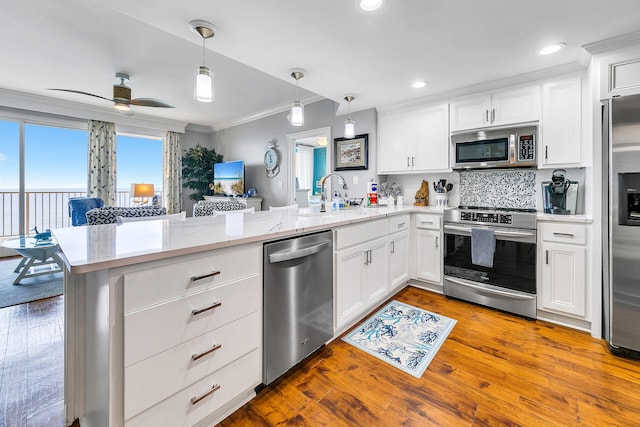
552	48
369	5
419	84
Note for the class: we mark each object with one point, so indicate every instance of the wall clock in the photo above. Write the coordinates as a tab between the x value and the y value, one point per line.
271	161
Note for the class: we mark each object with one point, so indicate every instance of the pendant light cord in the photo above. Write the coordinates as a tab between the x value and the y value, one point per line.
203	51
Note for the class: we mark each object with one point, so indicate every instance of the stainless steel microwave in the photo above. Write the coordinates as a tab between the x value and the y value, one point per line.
500	148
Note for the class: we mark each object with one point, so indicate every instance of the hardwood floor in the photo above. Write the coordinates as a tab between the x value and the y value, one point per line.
494	369
32	364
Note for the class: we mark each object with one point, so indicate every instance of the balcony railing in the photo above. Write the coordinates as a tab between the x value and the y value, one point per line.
43	209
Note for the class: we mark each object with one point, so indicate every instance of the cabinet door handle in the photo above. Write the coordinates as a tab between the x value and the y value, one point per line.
546	257
486	115
197	356
195	312
493	115
412	161
563	234
402	224
204	276
546	152
370	257
393	247
196	399
437	237
366	257
408	162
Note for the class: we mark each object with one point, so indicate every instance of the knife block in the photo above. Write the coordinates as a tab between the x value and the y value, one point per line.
422	195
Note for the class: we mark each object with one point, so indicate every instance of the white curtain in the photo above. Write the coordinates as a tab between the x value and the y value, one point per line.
172	172
102	161
305	167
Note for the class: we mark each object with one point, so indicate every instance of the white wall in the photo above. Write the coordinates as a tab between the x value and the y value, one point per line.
248	141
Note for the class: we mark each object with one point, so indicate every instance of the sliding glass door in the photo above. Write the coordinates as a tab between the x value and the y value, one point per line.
41	167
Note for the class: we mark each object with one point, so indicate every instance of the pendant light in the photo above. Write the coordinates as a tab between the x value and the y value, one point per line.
204	76
349	125
296	116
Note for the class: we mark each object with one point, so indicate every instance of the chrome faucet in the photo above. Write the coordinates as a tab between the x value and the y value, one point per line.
323	191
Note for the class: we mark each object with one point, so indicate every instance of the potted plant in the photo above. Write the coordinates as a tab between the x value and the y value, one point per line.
197	170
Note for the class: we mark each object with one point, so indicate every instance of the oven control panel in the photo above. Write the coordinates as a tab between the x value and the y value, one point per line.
487	217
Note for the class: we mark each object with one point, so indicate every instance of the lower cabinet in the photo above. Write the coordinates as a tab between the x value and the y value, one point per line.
361	278
398	259
563	260
428	248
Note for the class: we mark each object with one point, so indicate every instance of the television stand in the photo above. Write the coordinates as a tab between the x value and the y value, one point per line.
251	202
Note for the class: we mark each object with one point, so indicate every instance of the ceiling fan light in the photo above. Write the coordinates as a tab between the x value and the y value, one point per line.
121	106
297	114
204	84
349	128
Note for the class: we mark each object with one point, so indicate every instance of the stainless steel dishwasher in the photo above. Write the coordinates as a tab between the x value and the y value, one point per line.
298	300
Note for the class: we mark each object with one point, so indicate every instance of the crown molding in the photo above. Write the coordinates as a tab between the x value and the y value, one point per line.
573	67
61	107
265	113
192	127
613	43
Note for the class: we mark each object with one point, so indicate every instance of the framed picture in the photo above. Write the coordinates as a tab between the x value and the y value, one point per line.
351	154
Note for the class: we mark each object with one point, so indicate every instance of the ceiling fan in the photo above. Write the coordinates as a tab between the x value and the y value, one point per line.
122	97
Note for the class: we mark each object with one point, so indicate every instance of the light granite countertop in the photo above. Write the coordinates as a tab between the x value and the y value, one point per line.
98	247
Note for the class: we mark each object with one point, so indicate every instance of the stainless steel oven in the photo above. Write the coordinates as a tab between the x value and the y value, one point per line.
510	283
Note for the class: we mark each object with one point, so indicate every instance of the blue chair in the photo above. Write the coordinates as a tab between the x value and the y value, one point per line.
79	206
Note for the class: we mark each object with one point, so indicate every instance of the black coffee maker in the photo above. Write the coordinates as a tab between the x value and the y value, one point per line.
560	195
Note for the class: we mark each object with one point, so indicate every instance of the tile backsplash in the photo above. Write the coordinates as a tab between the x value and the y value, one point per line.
513	189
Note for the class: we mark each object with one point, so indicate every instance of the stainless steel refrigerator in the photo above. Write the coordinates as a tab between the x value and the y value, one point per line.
621	207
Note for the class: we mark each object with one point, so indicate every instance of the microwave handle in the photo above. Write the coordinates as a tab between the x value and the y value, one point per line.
512	148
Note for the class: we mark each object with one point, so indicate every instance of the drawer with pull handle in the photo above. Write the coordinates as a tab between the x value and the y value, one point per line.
199	400
399	223
158	328
187	363
564	233
430	222
155	285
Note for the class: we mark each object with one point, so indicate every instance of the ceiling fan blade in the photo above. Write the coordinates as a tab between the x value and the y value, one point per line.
80	92
151	102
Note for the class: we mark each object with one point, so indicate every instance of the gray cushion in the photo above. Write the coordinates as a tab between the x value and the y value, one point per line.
108	214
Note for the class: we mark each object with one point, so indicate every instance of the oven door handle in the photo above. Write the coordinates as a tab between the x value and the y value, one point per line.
491	291
496	232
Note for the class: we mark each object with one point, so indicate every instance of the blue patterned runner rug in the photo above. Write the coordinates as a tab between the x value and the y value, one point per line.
402	335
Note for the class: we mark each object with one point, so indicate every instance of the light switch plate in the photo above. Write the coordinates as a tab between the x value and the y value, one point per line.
355	180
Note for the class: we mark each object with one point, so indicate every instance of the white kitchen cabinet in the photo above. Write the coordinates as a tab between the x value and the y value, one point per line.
561	128
563	258
361	278
499	108
414	141
160	333
428	248
399	226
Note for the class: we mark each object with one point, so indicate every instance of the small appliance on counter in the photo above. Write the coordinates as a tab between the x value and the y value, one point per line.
560	195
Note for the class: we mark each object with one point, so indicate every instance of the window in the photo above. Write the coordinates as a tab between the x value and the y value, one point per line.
53	169
138	160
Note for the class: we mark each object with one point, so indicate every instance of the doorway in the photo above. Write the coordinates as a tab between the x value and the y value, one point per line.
310	153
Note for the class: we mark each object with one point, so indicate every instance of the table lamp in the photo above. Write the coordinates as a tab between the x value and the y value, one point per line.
141	193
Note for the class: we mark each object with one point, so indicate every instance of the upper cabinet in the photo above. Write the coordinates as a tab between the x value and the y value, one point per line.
561	127
499	108
414	141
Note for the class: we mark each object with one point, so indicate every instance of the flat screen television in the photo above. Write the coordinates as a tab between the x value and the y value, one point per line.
228	178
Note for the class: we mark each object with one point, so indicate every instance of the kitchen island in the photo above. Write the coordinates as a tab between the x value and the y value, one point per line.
147	305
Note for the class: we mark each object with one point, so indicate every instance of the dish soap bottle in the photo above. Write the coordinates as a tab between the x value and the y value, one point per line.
372	193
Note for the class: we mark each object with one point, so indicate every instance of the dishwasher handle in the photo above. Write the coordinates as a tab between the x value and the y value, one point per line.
298	253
